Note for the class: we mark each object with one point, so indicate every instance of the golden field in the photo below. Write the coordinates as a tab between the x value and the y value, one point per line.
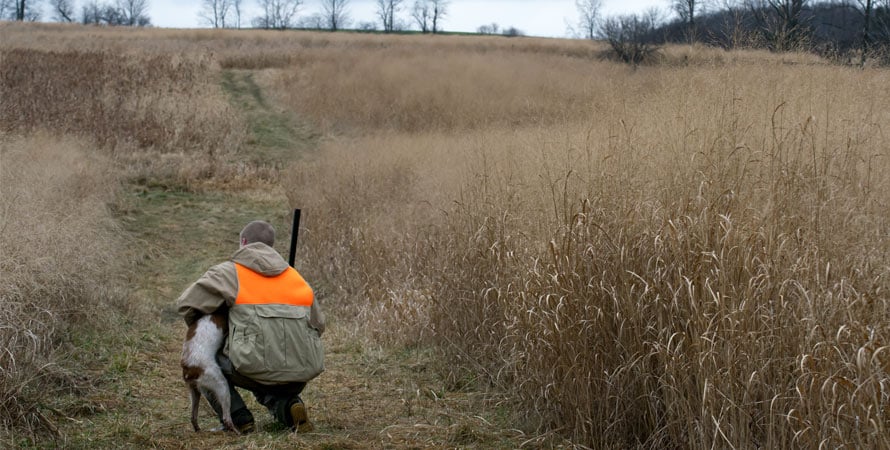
690	254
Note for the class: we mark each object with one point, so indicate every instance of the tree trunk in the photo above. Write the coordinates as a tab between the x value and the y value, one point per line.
435	19
866	31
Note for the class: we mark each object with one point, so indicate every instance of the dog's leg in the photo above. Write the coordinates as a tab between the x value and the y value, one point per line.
195	395
219	386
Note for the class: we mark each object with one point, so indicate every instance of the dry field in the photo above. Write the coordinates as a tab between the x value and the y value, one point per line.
691	254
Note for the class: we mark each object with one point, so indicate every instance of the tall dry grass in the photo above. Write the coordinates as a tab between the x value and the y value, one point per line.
690	255
415	91
60	254
261	49
694	257
164	115
416	86
76	117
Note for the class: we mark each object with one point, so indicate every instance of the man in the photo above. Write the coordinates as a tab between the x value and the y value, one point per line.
274	343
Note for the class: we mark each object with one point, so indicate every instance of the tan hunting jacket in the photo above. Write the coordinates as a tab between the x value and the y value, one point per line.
275	324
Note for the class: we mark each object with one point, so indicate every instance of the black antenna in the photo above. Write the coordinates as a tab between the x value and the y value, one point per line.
295	230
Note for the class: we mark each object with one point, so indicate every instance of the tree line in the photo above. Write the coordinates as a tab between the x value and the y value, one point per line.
334	15
848	29
107	12
841	28
426	15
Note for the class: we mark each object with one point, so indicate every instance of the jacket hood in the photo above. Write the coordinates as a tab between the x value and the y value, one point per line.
261	259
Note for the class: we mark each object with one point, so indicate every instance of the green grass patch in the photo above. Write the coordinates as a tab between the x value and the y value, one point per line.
139	398
276	137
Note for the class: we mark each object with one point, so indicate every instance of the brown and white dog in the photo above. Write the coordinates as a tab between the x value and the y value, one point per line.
200	370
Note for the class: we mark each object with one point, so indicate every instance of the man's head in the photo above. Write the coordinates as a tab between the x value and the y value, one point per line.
258	231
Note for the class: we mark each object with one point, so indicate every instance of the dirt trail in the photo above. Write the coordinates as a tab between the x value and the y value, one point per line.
368	397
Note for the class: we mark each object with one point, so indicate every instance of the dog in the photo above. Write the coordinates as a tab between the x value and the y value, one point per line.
201	372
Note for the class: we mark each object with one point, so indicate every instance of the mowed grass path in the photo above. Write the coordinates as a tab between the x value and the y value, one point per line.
368	397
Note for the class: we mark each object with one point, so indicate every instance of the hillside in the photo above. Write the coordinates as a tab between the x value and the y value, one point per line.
518	242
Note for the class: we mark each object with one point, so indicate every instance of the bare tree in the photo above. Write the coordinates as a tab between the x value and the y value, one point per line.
278	14
215	12
121	13
733	31
236	8
427	14
63	10
335	13
875	33
513	32
95	13
867	9
367	26
589	16
632	37
386	11
6	6
493	28
9	9
688	11
134	12
781	22
90	13
422	15
882	23
20	10
313	22
439	11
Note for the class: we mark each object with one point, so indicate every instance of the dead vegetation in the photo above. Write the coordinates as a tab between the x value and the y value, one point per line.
153	112
58	240
697	259
688	255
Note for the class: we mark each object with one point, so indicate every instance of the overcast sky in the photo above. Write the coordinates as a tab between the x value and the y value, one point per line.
533	17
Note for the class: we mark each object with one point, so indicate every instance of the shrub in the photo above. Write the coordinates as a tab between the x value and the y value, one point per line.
632	37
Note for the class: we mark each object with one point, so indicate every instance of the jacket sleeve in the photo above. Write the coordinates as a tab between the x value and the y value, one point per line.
218	287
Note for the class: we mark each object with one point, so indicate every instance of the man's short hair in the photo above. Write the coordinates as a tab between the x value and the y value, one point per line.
258	231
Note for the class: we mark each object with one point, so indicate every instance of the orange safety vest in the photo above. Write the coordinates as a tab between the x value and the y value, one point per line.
286	288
